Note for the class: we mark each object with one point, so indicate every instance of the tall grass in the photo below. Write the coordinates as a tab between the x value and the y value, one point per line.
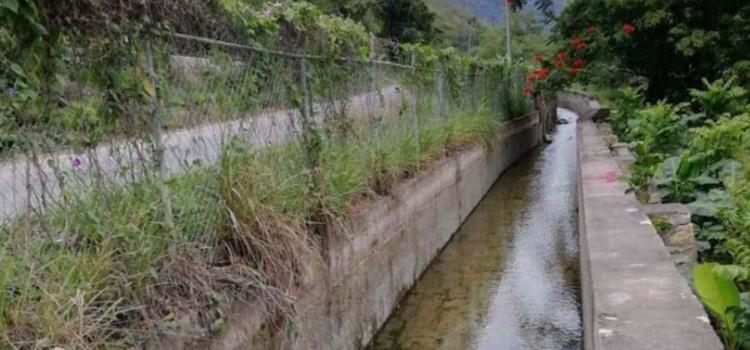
105	268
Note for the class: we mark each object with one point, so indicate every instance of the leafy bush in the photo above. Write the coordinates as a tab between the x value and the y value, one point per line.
627	102
719	98
721	297
657	131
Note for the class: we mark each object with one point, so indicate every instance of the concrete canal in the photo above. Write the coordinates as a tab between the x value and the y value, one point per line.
509	277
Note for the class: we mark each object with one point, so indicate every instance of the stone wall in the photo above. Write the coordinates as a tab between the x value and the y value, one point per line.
677	234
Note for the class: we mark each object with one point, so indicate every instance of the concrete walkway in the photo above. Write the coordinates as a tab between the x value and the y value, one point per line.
633	295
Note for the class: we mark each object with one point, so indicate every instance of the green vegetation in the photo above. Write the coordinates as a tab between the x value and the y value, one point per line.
694	152
721	297
672	44
673	73
122	259
90	271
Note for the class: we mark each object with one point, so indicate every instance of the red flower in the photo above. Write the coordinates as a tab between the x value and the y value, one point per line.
560	59
542	73
578	63
578	43
528	90
538	74
628	29
509	2
591	30
574	71
538	57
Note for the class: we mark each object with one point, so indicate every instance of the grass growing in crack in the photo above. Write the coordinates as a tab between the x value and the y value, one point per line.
105	267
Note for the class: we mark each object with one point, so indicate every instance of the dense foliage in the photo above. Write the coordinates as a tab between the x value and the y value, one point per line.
675	75
672	44
144	251
697	153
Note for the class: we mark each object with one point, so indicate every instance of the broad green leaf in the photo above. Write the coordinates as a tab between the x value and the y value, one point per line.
11	5
709	204
717	292
728	169
667	171
705	180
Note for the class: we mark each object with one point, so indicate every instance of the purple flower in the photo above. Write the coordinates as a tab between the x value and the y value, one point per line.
10	91
64	240
77	162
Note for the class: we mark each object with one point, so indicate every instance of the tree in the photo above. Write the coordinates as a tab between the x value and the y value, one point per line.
546	7
363	11
407	21
673	44
527	38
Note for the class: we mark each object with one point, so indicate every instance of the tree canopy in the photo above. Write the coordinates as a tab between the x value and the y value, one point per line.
673	44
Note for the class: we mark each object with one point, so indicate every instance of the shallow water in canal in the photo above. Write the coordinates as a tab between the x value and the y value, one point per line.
508	279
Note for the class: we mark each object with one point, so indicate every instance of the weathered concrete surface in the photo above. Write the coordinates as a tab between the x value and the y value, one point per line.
583	104
380	252
633	296
27	184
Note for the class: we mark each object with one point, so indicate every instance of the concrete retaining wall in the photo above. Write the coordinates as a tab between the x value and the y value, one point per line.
633	296
380	252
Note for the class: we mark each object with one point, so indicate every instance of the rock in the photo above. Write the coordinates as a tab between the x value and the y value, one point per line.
678	214
610	139
605	129
680	237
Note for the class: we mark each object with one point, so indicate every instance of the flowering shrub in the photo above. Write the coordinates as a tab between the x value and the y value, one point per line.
578	43
628	29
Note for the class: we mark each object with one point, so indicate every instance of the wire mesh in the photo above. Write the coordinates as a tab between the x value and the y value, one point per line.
158	145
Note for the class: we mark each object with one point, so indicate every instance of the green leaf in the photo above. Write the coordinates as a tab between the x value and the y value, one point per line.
709	204
733	272
11	5
18	70
717	292
149	87
728	169
705	180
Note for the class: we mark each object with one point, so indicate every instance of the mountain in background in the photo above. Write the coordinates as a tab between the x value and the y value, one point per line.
488	11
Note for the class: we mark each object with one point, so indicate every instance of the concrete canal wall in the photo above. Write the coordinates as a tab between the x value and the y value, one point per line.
379	252
633	296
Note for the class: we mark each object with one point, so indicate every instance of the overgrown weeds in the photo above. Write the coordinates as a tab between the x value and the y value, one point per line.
105	269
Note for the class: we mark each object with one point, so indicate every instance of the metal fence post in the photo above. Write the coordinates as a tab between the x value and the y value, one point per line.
373	96
440	91
415	104
155	119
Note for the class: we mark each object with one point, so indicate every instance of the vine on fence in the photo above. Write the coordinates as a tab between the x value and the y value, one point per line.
178	172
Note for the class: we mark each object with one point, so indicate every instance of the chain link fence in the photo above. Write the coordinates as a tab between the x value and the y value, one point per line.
163	174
